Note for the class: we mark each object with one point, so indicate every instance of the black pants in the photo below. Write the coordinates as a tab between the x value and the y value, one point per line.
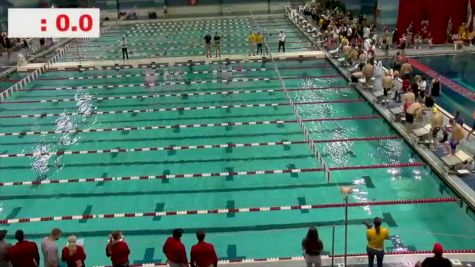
379	256
281	44
259	48
125	53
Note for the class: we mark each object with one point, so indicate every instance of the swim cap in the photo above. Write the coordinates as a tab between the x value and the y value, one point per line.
435	110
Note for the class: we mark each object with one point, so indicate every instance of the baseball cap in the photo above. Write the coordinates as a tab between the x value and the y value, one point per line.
438	249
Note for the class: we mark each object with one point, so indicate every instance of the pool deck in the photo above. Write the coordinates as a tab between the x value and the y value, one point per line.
403	260
169	60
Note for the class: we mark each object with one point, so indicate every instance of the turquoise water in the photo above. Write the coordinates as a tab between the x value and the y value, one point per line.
242	235
162	38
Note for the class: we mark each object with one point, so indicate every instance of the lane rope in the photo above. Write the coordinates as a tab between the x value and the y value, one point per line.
192	147
204	175
227	210
150	110
184	126
182	94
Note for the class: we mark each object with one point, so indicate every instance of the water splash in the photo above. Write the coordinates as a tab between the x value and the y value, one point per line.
41	159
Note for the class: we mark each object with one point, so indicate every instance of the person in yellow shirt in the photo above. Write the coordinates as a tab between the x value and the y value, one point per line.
376	236
251	38
259	41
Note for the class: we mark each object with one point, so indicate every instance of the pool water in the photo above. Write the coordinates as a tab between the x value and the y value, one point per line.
235	235
165	38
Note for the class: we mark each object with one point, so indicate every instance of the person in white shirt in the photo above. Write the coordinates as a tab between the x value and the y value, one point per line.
123	44
423	86
366	32
281	41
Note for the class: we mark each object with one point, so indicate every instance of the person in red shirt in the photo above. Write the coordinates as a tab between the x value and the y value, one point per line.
203	254
73	254
24	253
118	250
175	250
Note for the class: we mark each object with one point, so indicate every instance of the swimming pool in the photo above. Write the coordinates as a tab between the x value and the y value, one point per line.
165	38
458	69
212	145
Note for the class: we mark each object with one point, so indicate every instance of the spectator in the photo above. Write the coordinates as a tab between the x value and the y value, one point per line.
24	253
437	260
208	45
203	254
259	41
73	254
50	249
251	38
4	247
312	247
123	44
376	236
423	86
435	89
118	250
217	44
175	250
281	41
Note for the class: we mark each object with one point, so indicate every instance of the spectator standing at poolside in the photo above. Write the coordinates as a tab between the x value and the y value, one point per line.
435	89
203	253
175	250
437	260
208	45
281	41
376	236
73	254
312	247
251	38
24	253
4	247
124	45
217	44
259	41
50	249
118	250
423	86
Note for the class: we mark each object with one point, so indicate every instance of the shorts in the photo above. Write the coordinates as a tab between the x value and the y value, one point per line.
435	131
453	144
409	118
386	91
